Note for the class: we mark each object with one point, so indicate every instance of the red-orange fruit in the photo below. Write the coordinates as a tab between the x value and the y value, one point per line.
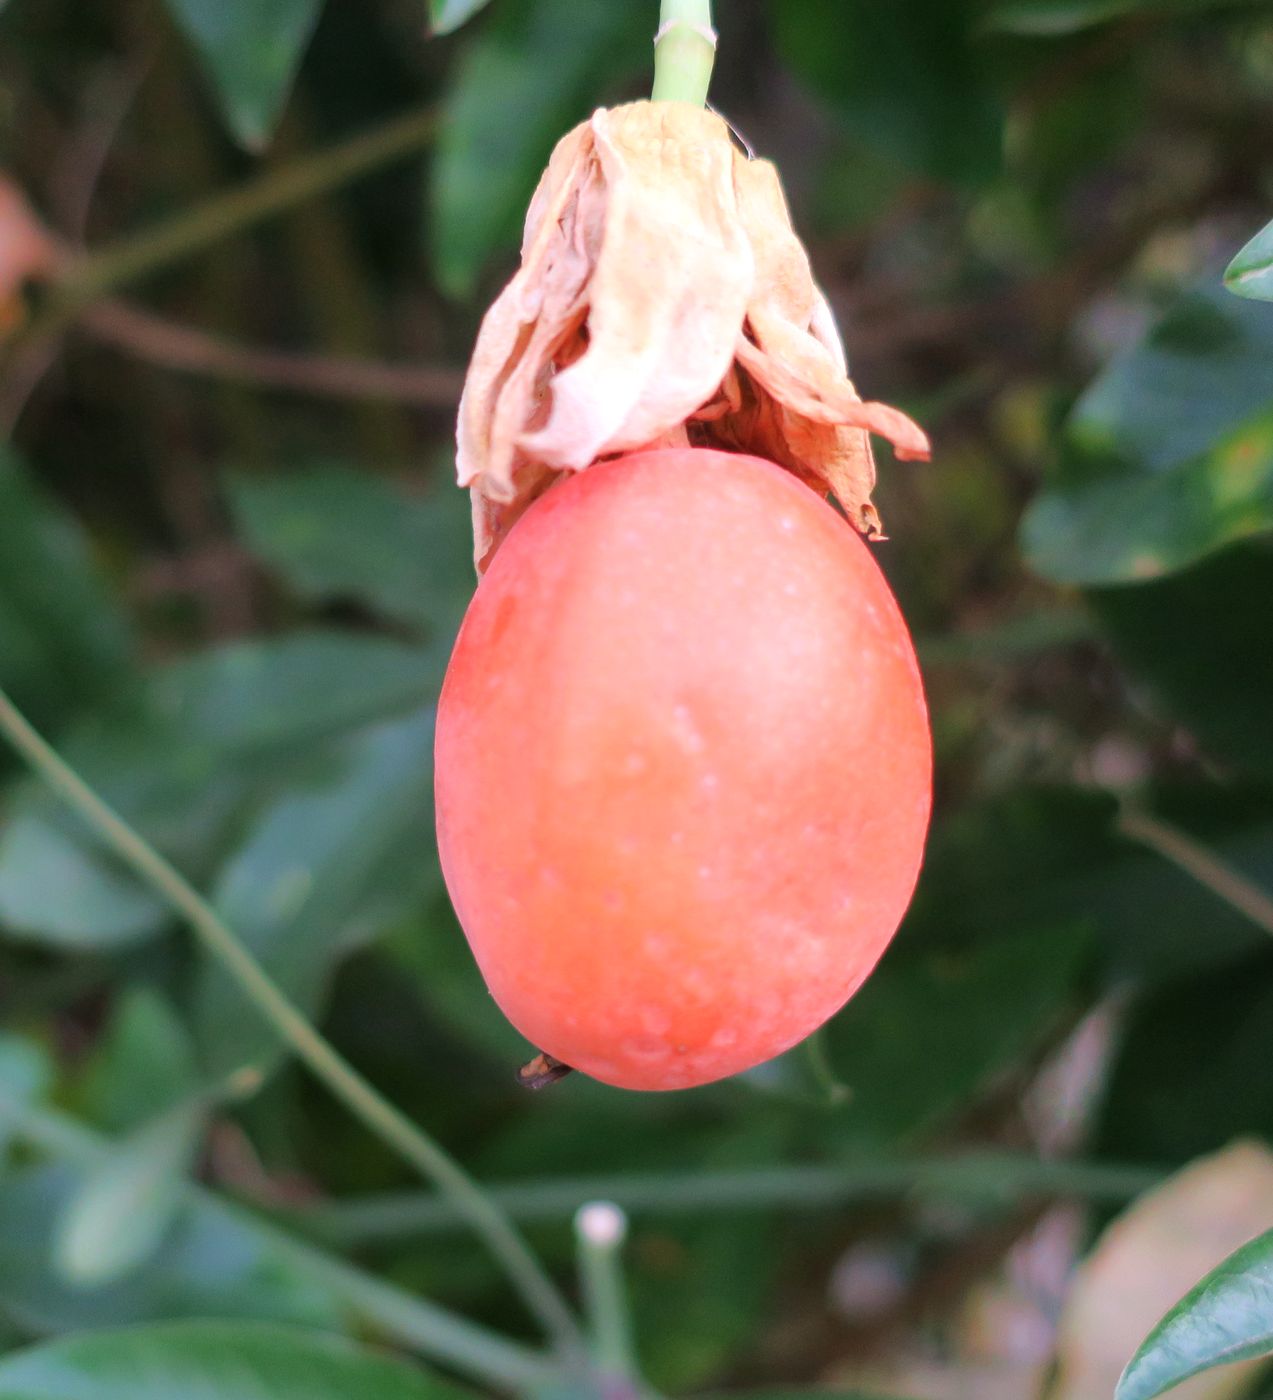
683	768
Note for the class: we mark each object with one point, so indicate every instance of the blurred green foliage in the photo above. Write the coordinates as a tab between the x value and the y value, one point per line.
229	597
255	1362
251	54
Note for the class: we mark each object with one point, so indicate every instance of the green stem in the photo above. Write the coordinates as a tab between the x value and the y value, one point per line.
600	1229
975	1176
345	1083
434	1332
1201	864
684	52
268	194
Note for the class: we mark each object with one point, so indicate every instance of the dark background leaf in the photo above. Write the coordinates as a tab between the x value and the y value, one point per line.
251	55
1198	641
334	533
220	1360
949	125
323	871
503	120
210	1266
64	640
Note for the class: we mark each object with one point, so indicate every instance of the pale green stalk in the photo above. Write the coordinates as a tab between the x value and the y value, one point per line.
968	1176
600	1230
684	52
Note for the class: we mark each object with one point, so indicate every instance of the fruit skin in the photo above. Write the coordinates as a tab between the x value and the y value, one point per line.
683	768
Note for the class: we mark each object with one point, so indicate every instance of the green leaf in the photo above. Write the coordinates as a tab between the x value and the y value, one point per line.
429	951
1040	857
709	1303
1226	1317
1250	274
927	1032
206	738
335	533
907	81
25	1075
180	794
63	641
1198	374
63	892
250	698
1188	1070
503	118
1216	611
322	872
215	1361
212	1263
129	1199
446	16
143	1064
1142	526
251	53
1169	455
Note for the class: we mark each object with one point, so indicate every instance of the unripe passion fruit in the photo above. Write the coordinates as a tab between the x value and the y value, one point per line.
683	768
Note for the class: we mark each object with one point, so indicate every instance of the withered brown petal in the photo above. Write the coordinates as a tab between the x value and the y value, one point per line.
670	285
502	362
663	297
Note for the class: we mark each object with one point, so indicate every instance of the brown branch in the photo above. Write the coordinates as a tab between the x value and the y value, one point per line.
173	346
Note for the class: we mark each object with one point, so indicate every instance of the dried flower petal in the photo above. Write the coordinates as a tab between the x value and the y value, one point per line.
663	297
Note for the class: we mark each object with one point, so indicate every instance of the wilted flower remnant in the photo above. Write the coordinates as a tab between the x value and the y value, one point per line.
663	298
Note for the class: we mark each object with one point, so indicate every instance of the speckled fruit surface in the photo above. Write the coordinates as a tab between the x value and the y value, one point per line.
683	768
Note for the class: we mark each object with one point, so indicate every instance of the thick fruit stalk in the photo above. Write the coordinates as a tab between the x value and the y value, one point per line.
683	767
